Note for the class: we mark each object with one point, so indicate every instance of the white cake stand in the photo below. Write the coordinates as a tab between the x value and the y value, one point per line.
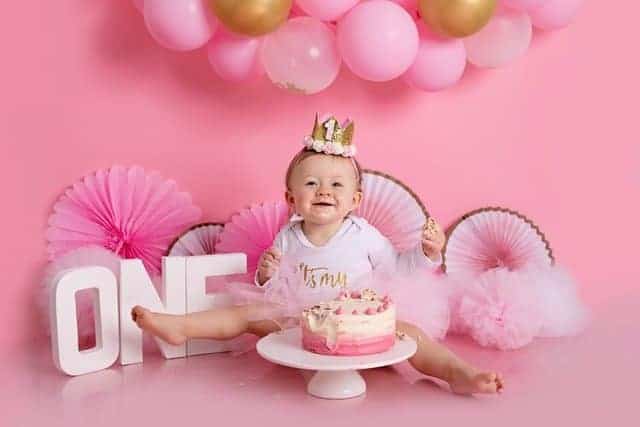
337	377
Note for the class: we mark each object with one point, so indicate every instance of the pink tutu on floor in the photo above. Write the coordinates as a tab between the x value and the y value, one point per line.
507	309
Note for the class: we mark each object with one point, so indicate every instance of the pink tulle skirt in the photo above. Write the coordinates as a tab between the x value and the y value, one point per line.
421	299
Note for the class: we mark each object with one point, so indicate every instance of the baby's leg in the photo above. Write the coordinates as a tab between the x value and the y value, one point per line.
436	360
219	323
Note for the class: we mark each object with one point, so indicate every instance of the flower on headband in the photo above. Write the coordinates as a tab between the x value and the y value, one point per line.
318	146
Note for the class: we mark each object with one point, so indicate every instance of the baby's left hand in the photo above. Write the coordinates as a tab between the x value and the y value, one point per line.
433	239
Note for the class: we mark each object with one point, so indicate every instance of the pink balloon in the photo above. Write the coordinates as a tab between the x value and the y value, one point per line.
326	10
301	55
234	58
378	40
554	14
139	5
506	37
440	62
523	4
179	24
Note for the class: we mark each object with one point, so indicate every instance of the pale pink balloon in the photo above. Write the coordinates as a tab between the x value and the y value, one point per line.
378	40
439	64
554	14
506	37
523	4
326	10
235	58
139	4
179	24
301	55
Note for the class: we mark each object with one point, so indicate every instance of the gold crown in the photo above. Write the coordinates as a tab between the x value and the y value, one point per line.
331	130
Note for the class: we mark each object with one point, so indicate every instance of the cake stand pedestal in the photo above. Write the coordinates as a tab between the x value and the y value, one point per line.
337	377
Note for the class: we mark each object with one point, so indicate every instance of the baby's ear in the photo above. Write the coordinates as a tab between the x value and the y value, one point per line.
357	199
288	197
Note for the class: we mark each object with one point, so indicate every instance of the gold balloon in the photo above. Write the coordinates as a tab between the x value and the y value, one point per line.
251	17
456	18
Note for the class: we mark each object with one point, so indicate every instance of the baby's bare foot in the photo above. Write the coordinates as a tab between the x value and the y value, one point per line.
471	381
167	327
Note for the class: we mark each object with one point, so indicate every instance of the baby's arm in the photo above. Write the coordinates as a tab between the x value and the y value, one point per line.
384	256
269	261
433	240
268	265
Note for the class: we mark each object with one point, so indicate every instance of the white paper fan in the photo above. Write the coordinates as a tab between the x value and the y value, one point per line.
200	239
495	238
391	207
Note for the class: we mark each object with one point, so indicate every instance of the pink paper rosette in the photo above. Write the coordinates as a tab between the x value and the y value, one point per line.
200	239
391	207
506	289
252	231
126	210
495	238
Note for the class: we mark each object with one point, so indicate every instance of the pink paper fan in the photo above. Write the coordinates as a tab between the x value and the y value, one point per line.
392	208
252	231
495	238
81	257
126	210
200	239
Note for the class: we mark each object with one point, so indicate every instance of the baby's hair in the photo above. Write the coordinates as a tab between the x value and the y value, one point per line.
304	154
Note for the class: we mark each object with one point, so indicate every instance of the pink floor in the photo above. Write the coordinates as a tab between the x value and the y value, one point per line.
588	380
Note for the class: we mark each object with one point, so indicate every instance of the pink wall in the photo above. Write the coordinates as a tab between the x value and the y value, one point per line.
554	135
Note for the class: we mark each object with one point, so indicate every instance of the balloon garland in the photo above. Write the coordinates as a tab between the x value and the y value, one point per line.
301	44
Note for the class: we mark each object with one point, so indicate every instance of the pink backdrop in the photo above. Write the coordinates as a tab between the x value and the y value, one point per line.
554	135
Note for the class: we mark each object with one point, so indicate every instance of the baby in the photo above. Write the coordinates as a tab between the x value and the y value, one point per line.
323	188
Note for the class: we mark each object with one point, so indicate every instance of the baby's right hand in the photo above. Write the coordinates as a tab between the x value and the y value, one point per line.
268	264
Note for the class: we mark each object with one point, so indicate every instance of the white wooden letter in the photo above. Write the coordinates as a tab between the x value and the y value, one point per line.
64	323
136	288
198	269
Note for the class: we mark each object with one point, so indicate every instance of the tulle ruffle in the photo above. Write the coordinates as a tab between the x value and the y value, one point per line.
508	309
421	299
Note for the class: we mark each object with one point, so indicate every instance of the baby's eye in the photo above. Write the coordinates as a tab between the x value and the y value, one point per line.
337	184
309	183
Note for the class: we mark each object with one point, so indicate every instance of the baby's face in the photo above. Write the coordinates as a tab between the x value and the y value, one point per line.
323	189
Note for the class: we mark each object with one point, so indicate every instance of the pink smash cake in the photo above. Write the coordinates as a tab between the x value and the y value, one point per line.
353	324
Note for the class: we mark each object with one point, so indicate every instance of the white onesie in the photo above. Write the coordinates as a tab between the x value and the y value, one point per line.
355	251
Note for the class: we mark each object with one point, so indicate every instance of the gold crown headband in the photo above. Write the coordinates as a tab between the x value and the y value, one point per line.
331	137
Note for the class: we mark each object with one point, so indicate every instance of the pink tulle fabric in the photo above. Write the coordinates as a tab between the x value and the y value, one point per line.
498	310
495	239
126	210
252	231
421	298
199	240
392	209
508	309
562	311
81	257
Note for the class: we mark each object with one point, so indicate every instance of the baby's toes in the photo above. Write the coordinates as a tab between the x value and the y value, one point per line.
137	313
487	382
499	383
